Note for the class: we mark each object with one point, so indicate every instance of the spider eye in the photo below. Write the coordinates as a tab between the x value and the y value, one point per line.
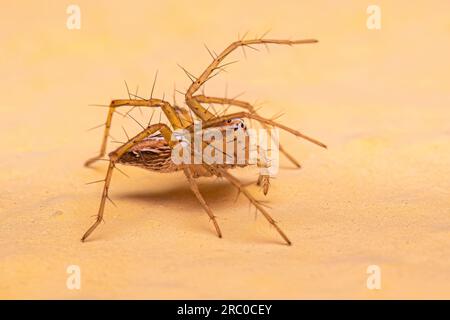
242	125
229	121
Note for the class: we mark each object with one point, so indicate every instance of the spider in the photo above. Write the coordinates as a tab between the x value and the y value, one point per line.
151	148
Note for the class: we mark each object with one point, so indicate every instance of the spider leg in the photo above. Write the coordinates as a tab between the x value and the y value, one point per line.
169	111
184	115
114	156
218	120
196	107
289	156
194	187
264	182
102	202
266	122
251	109
234	181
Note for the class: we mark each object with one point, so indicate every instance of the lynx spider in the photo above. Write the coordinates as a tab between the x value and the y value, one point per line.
179	118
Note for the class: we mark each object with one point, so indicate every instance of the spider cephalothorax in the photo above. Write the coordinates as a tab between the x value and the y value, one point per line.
153	148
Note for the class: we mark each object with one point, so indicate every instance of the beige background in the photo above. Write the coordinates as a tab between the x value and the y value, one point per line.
379	195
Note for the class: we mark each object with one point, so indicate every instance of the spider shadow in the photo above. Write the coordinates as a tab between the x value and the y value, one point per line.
218	194
180	195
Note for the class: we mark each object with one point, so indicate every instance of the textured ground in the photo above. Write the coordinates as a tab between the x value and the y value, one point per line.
378	196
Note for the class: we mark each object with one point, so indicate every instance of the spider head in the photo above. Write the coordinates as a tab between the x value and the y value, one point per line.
235	124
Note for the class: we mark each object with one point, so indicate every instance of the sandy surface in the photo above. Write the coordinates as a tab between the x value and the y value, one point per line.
378	196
